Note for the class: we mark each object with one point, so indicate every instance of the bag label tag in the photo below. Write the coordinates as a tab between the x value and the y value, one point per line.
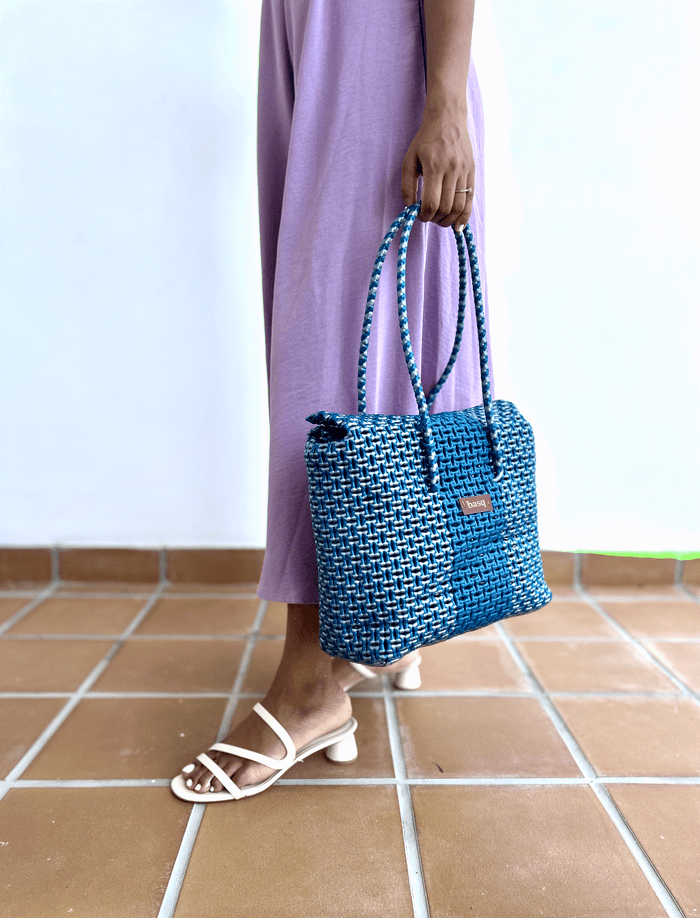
478	503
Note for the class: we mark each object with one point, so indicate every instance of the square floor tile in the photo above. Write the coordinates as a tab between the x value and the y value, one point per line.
526	852
665	819
630	737
657	620
172	666
131	565
100	852
682	659
79	615
481	737
204	615
21	723
48	666
115	738
560	619
468	665
300	851
588	666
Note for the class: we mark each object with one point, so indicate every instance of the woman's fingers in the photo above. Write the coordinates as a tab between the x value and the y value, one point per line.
454	206
463	203
442	152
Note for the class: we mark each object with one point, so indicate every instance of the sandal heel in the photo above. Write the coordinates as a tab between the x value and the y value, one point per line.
409	678
344	751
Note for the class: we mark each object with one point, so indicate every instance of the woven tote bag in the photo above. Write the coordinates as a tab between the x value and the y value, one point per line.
425	525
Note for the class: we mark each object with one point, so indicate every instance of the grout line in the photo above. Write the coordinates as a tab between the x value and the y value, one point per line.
238	636
243	636
134	696
646	865
528	781
19	593
577	570
684	689
414	863
654	878
75	698
64	593
618	599
55	561
128	696
231	594
417	693
583	639
177	875
9	695
92	782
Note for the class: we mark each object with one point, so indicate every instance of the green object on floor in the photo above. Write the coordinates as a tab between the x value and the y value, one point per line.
679	556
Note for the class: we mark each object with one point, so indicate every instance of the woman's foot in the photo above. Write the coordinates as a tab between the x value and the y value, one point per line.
305	709
347	676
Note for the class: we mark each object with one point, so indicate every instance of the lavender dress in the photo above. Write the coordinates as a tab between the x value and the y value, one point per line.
340	97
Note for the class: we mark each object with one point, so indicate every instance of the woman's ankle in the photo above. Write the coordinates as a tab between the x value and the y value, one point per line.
307	678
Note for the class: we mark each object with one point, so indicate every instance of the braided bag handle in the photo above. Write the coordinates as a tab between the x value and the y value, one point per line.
406	219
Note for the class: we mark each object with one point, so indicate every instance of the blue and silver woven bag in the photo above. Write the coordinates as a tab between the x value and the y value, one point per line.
425	525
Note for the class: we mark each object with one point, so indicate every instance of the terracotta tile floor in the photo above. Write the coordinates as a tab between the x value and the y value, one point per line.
548	766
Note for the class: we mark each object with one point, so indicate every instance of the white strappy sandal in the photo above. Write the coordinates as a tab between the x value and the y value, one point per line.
407	678
339	744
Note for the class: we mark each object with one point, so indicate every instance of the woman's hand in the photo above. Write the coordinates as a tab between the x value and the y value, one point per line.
442	153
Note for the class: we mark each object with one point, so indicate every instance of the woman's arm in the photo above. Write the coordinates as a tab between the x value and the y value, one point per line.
448	39
441	150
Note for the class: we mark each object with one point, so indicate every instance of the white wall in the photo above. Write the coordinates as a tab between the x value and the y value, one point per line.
593	195
134	390
134	402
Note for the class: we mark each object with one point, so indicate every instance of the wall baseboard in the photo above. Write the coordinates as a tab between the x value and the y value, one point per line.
20	566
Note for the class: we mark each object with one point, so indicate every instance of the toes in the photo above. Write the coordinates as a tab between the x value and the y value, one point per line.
198	779
190	775
201	780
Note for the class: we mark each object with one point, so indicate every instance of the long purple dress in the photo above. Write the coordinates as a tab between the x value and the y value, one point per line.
340	97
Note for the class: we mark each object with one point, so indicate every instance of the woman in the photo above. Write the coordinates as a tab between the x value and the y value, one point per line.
345	128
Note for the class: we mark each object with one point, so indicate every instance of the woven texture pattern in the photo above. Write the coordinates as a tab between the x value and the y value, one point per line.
400	564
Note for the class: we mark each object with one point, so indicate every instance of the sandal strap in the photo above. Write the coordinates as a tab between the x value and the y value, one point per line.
250	754
363	670
258	756
219	773
280	731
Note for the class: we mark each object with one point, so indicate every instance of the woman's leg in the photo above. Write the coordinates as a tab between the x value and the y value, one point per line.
304	697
